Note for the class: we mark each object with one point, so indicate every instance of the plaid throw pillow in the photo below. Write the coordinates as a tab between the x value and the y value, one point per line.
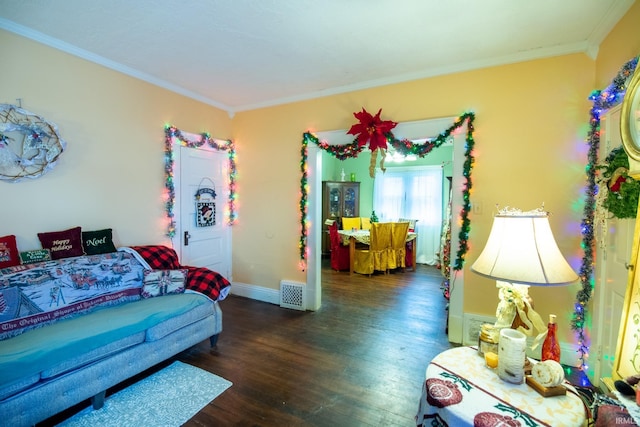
158	257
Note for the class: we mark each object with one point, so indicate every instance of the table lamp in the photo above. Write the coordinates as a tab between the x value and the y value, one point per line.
521	252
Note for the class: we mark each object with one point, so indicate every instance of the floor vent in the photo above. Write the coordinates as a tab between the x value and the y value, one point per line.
292	295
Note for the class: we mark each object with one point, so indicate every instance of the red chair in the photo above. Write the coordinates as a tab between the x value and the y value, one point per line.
409	245
339	252
408	257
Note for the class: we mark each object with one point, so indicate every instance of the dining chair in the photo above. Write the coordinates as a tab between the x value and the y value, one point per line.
398	251
412	223
365	223
350	223
376	256
339	253
409	246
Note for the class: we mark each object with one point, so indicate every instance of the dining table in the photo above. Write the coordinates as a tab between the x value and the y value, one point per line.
352	237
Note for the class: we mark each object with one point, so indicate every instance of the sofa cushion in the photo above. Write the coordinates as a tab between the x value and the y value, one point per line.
165	328
63	244
85	358
9	255
98	241
18	385
163	282
45	348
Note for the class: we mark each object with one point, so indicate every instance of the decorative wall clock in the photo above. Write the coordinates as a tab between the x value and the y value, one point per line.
29	145
630	117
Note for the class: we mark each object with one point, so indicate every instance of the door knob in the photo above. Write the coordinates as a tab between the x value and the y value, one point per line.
186	238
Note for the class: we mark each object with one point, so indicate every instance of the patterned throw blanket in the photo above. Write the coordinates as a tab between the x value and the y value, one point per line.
37	294
199	279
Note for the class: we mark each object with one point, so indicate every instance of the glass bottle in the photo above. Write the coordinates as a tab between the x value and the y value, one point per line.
551	346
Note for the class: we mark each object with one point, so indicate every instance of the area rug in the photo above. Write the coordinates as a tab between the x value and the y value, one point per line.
168	398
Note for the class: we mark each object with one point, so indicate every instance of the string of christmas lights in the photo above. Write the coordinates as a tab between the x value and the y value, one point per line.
405	147
205	138
602	101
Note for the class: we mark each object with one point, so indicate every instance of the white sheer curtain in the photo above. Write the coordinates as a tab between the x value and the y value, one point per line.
413	193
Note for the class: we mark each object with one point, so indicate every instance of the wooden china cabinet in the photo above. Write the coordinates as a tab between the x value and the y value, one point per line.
339	198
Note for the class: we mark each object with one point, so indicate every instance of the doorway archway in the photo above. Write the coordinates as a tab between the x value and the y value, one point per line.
460	204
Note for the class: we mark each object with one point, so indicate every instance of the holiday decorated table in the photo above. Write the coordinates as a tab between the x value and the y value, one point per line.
350	237
461	390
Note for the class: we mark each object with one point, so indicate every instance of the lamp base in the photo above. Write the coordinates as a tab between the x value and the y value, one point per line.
515	310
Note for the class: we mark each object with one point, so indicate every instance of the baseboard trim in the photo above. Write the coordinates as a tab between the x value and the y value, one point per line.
255	292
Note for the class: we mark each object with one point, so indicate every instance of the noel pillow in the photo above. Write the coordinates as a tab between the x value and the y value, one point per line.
163	282
9	255
63	244
98	242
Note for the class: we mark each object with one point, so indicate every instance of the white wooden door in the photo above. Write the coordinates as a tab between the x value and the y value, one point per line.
204	241
613	252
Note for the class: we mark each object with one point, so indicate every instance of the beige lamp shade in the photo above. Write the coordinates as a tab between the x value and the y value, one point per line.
521	249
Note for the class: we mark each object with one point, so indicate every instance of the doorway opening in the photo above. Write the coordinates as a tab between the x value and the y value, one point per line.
418	130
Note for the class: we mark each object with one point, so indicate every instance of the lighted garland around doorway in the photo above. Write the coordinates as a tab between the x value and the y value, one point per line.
602	101
405	147
228	146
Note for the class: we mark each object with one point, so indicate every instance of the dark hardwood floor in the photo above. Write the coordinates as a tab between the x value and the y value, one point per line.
358	361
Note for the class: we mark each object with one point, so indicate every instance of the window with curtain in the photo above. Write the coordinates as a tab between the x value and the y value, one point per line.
413	193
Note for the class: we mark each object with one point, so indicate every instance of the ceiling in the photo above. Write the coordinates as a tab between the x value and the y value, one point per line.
245	54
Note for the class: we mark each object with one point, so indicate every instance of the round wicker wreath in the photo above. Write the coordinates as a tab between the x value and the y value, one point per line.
29	145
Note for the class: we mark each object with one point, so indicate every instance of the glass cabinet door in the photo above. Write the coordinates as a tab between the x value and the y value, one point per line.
335	202
349	202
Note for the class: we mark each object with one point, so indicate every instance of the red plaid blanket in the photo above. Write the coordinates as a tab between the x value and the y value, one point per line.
199	279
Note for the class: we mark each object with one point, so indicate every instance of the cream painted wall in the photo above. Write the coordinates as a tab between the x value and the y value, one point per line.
112	172
529	150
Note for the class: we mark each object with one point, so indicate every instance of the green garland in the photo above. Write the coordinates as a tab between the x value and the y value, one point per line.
621	190
228	146
602	101
406	147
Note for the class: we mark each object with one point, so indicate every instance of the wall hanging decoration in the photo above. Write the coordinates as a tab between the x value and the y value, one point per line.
373	131
205	205
404	147
171	132
602	101
618	192
29	144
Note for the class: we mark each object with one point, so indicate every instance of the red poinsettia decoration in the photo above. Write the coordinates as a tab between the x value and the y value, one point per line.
371	129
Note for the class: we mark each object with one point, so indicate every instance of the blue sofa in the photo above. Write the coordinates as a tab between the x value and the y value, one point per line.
49	368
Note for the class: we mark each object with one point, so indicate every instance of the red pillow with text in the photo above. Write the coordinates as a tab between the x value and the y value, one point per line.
63	244
9	255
